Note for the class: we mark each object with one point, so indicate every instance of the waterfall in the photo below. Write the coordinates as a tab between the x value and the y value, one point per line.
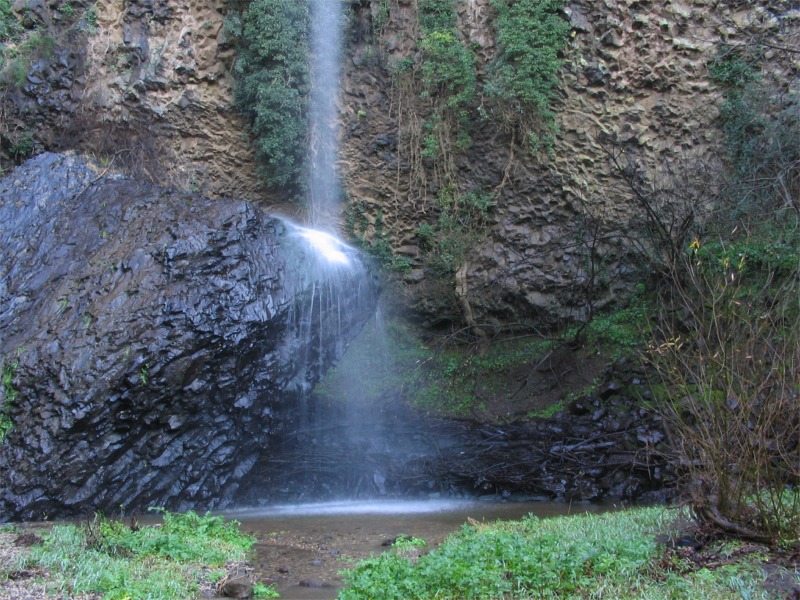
326	25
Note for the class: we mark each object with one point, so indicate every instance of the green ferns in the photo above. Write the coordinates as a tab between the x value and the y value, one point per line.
273	83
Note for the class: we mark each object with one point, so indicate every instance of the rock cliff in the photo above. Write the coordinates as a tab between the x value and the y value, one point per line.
158	343
148	84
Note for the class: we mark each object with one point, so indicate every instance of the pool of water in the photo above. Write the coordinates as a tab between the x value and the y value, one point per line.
303	547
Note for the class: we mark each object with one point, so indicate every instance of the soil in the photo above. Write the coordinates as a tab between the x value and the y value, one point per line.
540	384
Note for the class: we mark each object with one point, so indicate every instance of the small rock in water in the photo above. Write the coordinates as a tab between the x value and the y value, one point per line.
237	588
314	583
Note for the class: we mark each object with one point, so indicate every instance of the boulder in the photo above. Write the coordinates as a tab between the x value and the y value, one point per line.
157	342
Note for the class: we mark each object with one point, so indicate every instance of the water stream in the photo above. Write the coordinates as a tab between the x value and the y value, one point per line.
326	23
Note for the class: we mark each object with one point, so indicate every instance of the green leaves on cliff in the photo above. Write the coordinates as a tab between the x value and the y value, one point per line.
9	26
273	82
448	80
523	79
9	396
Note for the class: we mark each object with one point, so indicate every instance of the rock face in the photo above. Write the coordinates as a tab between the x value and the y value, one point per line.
161	341
151	86
147	82
635	80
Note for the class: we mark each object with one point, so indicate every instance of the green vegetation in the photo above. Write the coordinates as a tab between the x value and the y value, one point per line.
457	381
9	26
273	79
9	397
154	562
18	58
261	591
387	362
523	79
67	9
448	78
613	556
377	244
727	330
463	218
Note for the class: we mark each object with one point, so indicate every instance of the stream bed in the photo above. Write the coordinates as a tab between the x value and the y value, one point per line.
301	548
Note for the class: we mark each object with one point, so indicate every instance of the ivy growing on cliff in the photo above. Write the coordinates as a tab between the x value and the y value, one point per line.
273	82
523	79
448	77
9	26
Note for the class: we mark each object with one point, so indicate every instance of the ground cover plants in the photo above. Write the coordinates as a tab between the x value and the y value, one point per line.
613	555
153	562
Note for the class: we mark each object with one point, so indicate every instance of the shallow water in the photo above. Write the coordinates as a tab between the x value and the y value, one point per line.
307	544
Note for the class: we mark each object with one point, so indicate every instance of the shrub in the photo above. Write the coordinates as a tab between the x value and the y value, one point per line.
524	77
731	364
273	83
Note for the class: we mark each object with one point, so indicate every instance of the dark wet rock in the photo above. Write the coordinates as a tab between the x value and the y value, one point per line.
614	450
314	583
237	588
161	340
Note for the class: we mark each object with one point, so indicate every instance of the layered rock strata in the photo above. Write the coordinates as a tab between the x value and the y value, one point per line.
159	343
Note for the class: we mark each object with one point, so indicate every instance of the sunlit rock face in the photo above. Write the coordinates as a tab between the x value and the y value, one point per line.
160	340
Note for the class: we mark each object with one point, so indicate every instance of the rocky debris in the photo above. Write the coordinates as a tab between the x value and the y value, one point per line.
160	342
601	447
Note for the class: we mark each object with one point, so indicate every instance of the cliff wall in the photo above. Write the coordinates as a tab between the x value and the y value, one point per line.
148	84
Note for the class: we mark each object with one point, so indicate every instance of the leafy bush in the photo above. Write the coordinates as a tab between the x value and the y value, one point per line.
153	563
273	82
584	556
524	77
448	70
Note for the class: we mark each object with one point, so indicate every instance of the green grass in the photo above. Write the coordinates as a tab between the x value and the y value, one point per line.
160	562
612	556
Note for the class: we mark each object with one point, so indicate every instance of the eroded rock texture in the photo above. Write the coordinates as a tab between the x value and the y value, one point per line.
147	82
152	87
160	339
635	81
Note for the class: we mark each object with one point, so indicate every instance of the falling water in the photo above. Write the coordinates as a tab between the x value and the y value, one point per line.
326	19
